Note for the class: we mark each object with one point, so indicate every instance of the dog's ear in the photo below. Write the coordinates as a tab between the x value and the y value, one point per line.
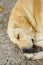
34	56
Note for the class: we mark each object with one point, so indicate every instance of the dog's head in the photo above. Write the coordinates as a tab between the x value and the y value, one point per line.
24	38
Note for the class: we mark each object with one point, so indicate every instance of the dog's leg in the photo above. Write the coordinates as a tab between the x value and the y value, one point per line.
34	56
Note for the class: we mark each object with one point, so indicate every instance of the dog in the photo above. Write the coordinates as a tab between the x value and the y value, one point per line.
25	26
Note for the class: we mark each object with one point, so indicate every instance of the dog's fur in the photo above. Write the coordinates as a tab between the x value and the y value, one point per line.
25	24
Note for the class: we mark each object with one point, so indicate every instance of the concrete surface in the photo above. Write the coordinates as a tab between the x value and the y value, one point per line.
10	54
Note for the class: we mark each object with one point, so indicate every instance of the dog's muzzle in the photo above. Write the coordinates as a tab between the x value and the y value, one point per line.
25	50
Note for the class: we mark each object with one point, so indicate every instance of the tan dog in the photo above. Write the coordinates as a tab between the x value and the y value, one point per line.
25	26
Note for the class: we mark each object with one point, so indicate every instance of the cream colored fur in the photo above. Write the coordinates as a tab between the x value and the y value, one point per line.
25	24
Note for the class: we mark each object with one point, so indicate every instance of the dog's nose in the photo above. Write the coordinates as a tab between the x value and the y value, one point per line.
26	50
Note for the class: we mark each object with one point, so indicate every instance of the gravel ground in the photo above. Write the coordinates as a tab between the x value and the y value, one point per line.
10	54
